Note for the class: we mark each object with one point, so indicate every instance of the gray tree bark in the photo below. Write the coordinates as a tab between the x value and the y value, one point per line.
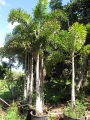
83	73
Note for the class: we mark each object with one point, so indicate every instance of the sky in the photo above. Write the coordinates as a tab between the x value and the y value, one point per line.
6	6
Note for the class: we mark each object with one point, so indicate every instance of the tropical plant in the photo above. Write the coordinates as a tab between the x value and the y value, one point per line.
71	42
41	8
12	113
56	4
78	112
79	11
21	40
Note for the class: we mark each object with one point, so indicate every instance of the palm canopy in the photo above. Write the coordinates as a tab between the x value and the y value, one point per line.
19	37
72	39
23	33
58	14
19	41
77	36
40	10
20	16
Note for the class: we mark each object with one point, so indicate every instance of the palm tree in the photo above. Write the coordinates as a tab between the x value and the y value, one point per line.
25	20
40	8
71	42
47	24
22	36
35	41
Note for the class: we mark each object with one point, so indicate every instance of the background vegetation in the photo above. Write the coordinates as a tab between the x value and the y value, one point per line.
27	41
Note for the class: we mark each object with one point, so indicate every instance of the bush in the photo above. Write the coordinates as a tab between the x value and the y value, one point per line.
77	112
13	114
56	91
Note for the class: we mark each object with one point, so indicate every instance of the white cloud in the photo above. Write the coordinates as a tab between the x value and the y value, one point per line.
10	26
2	2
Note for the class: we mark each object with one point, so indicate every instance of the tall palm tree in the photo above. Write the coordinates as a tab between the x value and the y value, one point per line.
39	12
44	25
22	37
71	41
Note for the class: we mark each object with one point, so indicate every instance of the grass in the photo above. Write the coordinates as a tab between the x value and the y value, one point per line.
12	112
2	112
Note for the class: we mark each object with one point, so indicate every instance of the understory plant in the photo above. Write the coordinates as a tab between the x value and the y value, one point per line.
77	112
13	114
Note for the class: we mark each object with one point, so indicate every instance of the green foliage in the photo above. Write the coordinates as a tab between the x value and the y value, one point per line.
5	93
78	10
60	15
56	91
19	15
52	59
77	112
49	27
88	27
85	50
6	85
13	114
73	39
3	86
20	87
70	40
57	44
55	4
17	80
3	70
77	36
40	8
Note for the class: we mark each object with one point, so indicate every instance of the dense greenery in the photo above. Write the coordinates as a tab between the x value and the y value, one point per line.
6	94
78	112
46	45
4	68
12	113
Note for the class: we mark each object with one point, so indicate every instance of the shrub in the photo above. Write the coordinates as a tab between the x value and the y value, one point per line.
13	114
77	112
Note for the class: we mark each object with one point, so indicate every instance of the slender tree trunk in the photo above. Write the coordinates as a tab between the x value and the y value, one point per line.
83	72
31	82
42	79
68	22
73	83
10	69
28	74
38	100
25	87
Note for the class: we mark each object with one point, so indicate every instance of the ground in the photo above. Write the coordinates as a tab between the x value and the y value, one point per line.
55	112
2	113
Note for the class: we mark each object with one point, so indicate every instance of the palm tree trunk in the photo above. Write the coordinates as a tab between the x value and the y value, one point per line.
25	87
31	82
28	74
38	100
42	79
73	82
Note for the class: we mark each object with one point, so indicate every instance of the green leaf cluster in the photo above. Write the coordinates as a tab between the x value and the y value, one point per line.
12	113
77	112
